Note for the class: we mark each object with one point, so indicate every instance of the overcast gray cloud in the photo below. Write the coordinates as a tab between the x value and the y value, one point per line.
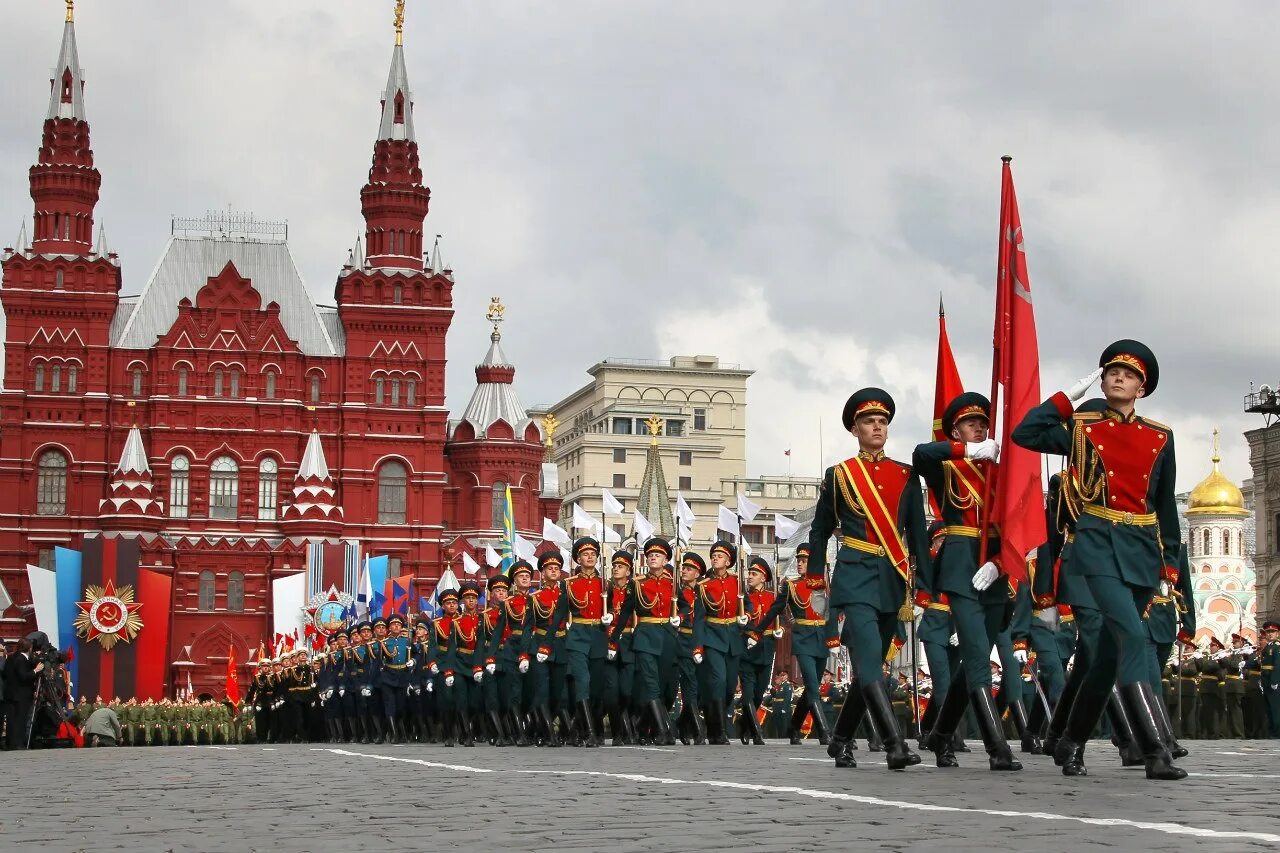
788	185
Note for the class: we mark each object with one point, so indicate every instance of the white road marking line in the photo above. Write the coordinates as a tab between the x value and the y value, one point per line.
1167	828
642	748
1213	775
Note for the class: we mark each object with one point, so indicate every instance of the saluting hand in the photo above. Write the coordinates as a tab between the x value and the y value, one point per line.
1075	392
988	450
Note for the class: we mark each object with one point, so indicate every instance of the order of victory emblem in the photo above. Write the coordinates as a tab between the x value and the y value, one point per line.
108	615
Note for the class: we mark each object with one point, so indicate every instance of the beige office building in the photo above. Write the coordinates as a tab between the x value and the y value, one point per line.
602	442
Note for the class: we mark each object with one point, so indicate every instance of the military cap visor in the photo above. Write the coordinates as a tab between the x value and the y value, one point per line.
867	401
548	558
694	561
380	621
1136	356
447	595
623	557
802	551
396	618
584	543
499	581
758	564
970	404
659	545
1271	626
521	566
726	548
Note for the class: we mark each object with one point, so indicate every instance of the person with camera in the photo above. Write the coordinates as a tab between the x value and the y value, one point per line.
20	674
103	728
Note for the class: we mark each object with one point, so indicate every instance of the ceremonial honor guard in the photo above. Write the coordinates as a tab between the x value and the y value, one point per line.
301	684
422	677
619	669
690	727
498	588
370	701
450	699
581	612
719	641
469	654
1120	489
756	667
974	581
937	633
548	641
652	601
327	687
1169	619
393	684
509	651
1269	663
877	504
258	697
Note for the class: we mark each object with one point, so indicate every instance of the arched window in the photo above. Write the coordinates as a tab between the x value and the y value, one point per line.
51	484
136	382
182	382
58	280
498	504
217	382
1205	539
71	379
397	294
270	390
205	604
55	379
378	391
235	592
179	486
393	481
315	387
395	392
410	391
38	385
224	487
235	382
268	489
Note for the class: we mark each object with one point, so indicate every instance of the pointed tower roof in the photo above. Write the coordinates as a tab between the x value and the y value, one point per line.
66	85
101	249
313	461
655	501
494	398
133	459
397	100
1215	494
437	265
313	512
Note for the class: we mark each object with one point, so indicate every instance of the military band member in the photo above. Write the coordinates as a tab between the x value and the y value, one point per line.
1120	488
509	651
301	681
719	640
690	727
877	504
580	611
651	600
548	671
498	588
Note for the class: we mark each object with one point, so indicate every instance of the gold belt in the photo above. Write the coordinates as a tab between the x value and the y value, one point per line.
944	607
961	530
442	649
1234	677
517	633
686	631
578	621
811	621
396	666
862	545
1071	537
1188	678
653	620
716	620
1139	519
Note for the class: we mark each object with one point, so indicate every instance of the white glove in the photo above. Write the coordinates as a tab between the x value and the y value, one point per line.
777	632
431	687
697	658
342	691
742	620
542	657
606	619
409	662
1075	392
917	611
448	681
524	666
435	669
985	576
988	450
1020	655
613	653
751	642
675	621
478	677
490	668
954	641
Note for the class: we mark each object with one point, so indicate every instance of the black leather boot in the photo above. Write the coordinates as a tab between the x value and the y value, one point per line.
588	725
841	746
550	738
699	727
378	735
984	709
752	725
796	726
447	734
1062	712
1140	704
824	730
1166	731
880	708
1030	743
950	711
661	727
501	738
716	725
1122	732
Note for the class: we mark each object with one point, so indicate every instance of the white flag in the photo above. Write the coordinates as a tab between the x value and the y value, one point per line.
784	528
524	548
746	548
609	536
5	601
469	565
683	513
728	521
746	508
644	530
612	505
582	521
491	557
553	532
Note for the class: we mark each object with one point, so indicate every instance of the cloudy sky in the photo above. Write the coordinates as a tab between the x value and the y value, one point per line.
785	185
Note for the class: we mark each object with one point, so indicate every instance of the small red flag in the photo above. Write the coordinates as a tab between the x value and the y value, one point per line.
947	385
1018	506
233	678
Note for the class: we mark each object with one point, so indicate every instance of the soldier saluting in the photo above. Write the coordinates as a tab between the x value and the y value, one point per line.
1119	486
878	506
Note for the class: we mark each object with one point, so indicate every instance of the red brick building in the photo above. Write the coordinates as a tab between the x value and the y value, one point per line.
224	418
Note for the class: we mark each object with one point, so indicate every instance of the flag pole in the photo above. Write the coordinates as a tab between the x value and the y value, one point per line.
997	356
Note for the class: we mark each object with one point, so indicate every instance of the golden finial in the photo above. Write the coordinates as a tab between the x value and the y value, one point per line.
550	423
399	21
495	312
71	11
1217	456
654	423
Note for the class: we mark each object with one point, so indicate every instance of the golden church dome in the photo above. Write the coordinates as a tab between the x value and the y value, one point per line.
1215	493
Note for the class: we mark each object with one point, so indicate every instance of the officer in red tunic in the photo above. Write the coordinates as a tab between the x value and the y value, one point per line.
508	652
878	505
690	727
1119	486
580	611
652	600
548	674
756	667
718	636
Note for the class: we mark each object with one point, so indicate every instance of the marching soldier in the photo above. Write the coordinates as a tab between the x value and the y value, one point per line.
936	632
548	671
1233	689
327	688
619	669
259	697
424	671
469	654
448	674
393	682
1269	665
1120	488
689	725
509	651
813	636
499	587
756	666
581	606
652	601
719	642
976	584
371	665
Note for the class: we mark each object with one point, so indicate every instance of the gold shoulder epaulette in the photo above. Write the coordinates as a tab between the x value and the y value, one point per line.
1157	424
1082	417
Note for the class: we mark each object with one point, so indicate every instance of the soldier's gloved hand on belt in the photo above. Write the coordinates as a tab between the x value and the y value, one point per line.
742	620
985	576
675	621
606	619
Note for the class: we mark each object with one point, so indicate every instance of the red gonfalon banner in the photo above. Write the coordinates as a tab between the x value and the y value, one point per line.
134	667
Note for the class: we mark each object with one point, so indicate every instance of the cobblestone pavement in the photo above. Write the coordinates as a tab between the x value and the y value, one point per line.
773	798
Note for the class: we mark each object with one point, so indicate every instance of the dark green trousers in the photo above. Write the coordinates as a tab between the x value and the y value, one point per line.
867	634
977	626
1122	648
